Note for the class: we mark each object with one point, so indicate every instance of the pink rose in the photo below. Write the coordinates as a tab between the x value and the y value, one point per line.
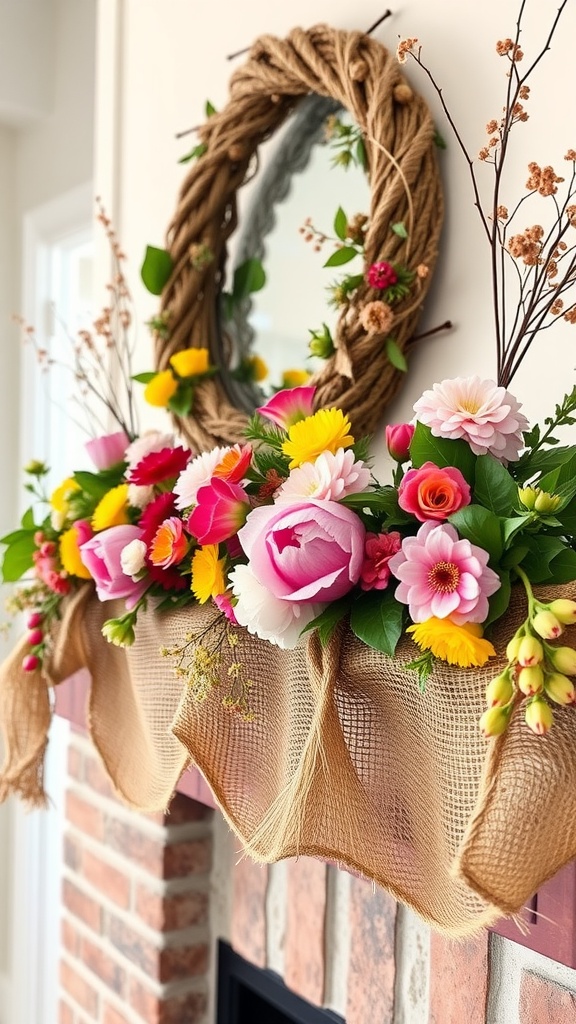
398	440
102	557
108	450
433	493
309	551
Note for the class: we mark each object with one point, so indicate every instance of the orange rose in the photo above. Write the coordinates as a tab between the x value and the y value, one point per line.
433	493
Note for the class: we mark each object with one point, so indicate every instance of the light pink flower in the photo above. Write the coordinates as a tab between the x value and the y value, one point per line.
379	549
264	615
480	412
433	493
310	551
108	450
102	556
289	406
443	576
151	441
398	438
330	477
197	474
221	510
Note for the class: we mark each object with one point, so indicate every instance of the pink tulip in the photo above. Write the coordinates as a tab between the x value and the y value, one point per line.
221	510
108	450
102	557
309	551
398	440
290	406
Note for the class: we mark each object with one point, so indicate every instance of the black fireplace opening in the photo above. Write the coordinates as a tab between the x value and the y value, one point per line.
250	995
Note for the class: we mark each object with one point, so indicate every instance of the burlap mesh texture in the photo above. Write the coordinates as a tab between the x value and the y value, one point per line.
346	758
405	187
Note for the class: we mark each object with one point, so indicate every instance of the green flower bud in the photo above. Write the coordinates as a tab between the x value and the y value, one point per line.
513	648
547	625
538	716
564	660
530	651
36	468
499	690
531	680
494	721
564	610
537	500
321	343
119	631
559	688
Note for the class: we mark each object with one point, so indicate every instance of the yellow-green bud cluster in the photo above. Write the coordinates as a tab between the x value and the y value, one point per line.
537	500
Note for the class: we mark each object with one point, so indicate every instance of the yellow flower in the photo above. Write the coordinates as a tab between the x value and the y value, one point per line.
59	498
258	368
294	378
160	389
70	555
191	362
326	431
207	573
112	509
458	645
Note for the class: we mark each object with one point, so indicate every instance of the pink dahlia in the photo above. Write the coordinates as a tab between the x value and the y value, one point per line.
381	275
443	576
379	548
156	467
480	412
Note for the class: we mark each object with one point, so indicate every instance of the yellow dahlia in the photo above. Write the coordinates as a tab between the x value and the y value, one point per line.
191	362
161	388
458	645
70	555
60	496
207	573
112	509
326	431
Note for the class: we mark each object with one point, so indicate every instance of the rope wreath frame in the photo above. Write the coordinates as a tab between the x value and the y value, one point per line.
399	136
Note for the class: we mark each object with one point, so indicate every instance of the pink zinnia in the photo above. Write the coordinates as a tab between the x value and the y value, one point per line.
443	576
156	467
378	550
480	412
381	275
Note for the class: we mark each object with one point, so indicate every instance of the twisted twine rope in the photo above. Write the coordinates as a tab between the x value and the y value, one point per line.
405	187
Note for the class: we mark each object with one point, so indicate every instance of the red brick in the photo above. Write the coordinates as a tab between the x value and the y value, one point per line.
544	1002
108	880
248	926
132	945
72	853
304	970
170	912
78	988
193	857
135	845
81	905
458	980
84	815
70	937
75	763
97	779
112	1016
371	968
187	1009
181	811
103	966
65	1013
179	962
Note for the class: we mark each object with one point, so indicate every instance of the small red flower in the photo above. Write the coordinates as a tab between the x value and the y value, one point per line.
381	275
379	549
156	467
152	518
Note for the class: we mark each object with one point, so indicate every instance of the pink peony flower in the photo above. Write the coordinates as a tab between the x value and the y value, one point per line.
330	477
378	550
102	557
433	493
480	412
109	450
309	551
443	576
290	406
170	543
398	439
381	275
221	510
264	615
156	467
151	441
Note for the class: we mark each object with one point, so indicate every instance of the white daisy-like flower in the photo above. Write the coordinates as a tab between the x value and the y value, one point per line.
139	496
151	441
197	473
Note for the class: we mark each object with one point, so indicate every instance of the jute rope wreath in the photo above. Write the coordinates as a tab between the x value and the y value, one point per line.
405	188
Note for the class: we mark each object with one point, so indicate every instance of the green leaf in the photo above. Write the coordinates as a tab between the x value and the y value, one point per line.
561	481
327	621
361	154
442	452
194	154
494	487
28	521
227	305
514	556
18	558
11	538
209	109
182	400
340	224
249	277
567	518
92	483
481	527
376	619
439	140
542	550
156	269
341	256
513	525
400	230
144	378
499	601
541	461
563	566
395	355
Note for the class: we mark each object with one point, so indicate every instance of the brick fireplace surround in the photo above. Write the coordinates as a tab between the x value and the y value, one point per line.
145	897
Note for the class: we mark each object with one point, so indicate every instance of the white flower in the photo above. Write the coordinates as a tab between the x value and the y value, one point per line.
57	519
151	441
480	412
280	622
139	496
329	477
198	472
132	557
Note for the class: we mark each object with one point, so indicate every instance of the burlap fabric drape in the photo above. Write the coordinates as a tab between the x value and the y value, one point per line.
346	759
399	135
